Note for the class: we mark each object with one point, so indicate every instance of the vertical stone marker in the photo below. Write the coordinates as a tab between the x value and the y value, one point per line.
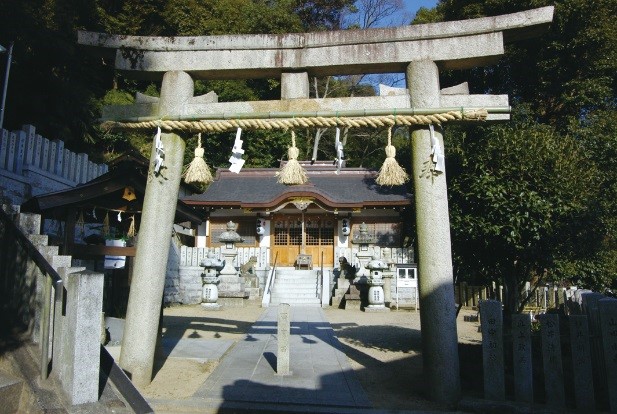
551	359
522	359
581	363
608	324
491	318
283	332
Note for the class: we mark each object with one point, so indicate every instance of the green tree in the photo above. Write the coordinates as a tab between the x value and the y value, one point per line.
518	195
514	218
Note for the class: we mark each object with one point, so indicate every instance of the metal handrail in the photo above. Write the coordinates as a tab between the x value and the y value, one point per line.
52	279
270	281
320	279
272	274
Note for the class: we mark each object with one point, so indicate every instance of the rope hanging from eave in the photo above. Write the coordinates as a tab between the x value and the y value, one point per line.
298	122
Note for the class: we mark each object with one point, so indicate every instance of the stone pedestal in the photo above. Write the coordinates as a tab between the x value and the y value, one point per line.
231	287
376	299
387	287
356	297
210	292
363	257
338	297
251	287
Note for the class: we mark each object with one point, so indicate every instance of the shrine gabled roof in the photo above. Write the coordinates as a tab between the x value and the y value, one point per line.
258	188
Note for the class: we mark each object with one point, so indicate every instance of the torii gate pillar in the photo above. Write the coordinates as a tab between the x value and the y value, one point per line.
159	208
437	308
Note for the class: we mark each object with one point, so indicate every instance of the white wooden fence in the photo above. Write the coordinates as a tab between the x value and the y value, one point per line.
26	148
192	256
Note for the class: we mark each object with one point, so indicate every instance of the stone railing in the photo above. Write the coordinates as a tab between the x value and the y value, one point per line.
31	165
67	321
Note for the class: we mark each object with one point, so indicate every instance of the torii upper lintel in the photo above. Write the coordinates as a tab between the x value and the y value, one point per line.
453	45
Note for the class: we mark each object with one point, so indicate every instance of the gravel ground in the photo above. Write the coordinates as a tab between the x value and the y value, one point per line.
384	349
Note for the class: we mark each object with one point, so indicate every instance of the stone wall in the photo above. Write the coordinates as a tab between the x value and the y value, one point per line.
31	165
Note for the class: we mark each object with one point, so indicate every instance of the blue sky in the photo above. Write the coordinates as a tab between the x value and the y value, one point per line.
411	6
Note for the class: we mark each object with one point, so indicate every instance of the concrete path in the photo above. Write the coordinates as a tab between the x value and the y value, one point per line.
320	373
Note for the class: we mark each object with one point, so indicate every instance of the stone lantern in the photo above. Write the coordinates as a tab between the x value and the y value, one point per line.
363	239
209	291
229	250
376	282
231	288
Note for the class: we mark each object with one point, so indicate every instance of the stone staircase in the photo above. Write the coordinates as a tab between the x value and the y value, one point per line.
295	287
22	390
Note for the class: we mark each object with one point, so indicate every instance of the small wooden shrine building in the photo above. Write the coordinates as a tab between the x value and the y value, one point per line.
105	208
316	219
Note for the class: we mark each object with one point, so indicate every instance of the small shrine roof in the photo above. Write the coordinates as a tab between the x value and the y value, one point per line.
258	188
106	191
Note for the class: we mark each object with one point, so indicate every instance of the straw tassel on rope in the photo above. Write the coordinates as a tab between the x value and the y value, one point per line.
292	172
198	171
391	173
131	231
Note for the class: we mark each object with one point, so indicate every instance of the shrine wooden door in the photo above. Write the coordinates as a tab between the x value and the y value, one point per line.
317	231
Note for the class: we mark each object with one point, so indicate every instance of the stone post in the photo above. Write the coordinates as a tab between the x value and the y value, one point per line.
283	332
522	358
159	207
437	308
491	318
551	360
82	335
581	357
294	85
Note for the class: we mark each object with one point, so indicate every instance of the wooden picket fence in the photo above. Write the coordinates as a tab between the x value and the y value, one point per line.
539	300
562	360
193	256
26	150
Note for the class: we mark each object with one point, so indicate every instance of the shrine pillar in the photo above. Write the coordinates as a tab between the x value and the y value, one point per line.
435	280
159	208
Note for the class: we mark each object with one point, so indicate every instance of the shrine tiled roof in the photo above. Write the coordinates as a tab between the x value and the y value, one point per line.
258	188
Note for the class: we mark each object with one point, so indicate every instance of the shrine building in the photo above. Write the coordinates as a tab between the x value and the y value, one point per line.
306	225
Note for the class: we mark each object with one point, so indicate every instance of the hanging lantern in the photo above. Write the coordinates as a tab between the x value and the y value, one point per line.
129	194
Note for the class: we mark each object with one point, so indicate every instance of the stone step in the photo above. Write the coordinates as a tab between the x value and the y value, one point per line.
296	277
296	273
294	295
10	393
295	284
300	302
295	288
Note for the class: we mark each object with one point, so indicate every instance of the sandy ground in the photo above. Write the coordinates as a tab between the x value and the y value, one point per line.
382	348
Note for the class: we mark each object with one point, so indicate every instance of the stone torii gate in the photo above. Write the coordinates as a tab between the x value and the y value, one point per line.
419	51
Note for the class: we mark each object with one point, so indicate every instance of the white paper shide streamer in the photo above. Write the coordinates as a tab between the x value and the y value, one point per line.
236	154
338	147
437	156
159	156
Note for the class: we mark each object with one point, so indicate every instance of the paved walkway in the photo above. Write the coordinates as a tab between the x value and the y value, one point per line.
321	379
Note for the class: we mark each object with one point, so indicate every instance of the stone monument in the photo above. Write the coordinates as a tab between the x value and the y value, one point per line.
376	296
231	288
209	290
